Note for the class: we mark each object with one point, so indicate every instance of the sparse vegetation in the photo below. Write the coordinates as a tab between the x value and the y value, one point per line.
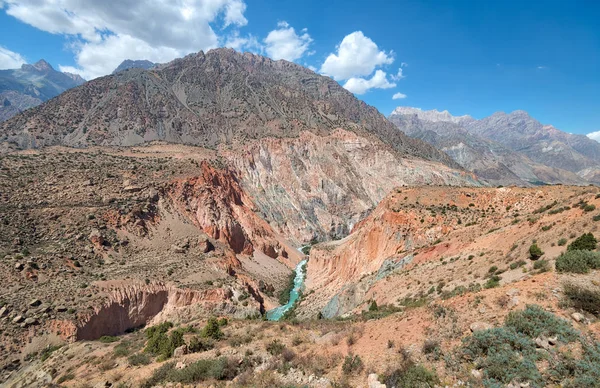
582	298
577	261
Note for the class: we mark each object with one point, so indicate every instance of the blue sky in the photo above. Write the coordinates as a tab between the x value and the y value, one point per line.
469	57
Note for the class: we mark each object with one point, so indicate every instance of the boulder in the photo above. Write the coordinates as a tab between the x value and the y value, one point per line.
19	266
30	321
17	319
373	381
542	342
204	245
479	326
35	303
180	351
578	317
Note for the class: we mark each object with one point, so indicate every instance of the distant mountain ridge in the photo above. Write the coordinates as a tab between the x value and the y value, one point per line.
30	85
134	64
503	148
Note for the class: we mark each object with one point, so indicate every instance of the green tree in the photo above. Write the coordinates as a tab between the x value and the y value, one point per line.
585	242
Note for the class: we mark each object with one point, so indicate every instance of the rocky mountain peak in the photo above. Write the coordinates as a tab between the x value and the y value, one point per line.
134	64
40	66
431	115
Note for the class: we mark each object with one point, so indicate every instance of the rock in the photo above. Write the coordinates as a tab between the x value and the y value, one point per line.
3	311
476	373
513	292
553	340
30	321
204	245
18	266
542	342
180	365
35	303
373	381
177	249
512	302
578	317
131	188
96	237
180	351
479	326
61	309
17	319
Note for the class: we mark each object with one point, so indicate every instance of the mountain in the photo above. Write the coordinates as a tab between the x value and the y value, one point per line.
544	144
208	99
134	64
489	148
29	86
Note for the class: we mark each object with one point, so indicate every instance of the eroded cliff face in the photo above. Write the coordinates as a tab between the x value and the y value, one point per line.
319	186
131	306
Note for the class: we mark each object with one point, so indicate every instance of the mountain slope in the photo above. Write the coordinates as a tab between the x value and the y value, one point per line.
486	155
221	97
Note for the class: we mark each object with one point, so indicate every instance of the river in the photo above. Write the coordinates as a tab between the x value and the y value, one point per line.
277	312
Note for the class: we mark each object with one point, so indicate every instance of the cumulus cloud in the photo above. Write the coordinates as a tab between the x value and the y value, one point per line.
594	136
398	96
243	43
10	59
357	56
107	32
285	43
358	85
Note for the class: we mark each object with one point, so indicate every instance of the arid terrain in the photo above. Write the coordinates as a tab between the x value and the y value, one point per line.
149	219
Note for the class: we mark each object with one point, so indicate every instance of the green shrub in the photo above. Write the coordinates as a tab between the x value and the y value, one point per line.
542	265
562	242
106	339
535	321
535	252
588	208
503	354
577	261
218	369
585	242
596	217
275	348
199	344
212	329
373	306
581	298
352	364
138	359
159	344
47	352
411	376
492	282
517	264
284	295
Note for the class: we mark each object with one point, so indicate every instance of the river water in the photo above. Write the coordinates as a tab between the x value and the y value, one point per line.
277	313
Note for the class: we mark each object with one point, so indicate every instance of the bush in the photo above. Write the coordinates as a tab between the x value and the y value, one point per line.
542	265
159	344
218	369
492	282
352	364
411	376
106	339
431	347
535	252
212	329
585	242
198	344
503	354
373	306
578	261
138	359
589	208
275	348
581	298
535	321
562	242
47	352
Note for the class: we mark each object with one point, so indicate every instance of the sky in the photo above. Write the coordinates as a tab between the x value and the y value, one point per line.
471	57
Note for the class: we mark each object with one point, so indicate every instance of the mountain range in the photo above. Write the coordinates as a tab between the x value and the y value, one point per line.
29	86
511	148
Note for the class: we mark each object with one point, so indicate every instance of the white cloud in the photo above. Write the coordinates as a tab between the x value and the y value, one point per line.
398	96
399	75
594	136
243	43
285	43
360	85
107	32
357	56
10	59
541	67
